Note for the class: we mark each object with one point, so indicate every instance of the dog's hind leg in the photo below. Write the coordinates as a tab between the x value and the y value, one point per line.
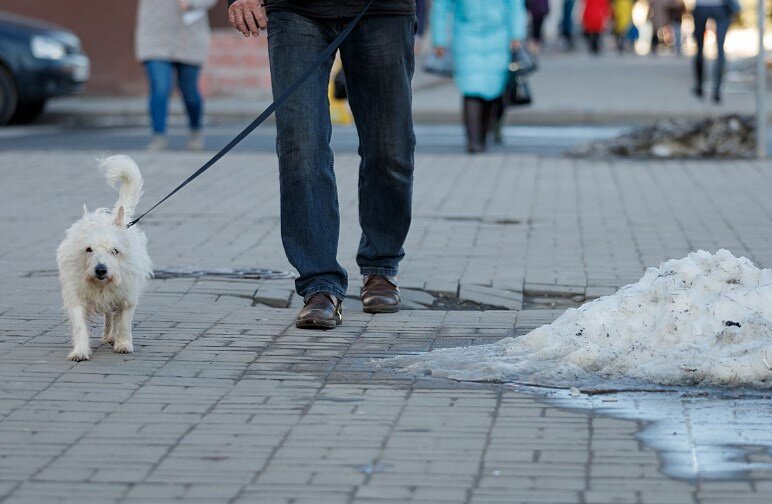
81	349
123	338
109	334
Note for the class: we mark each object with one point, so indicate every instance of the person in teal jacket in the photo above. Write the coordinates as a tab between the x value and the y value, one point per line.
484	32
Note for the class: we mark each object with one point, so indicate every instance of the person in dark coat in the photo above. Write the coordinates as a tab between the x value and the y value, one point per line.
378	60
538	11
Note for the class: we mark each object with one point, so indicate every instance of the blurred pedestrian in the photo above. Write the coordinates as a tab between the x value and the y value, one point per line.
623	23
538	11
566	25
721	12
594	19
676	10
659	15
172	37
483	38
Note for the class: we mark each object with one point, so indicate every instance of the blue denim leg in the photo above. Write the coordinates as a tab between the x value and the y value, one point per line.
310	221
187	80
721	16
379	62
722	19
159	77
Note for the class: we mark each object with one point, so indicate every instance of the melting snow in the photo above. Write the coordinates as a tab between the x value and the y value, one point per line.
703	320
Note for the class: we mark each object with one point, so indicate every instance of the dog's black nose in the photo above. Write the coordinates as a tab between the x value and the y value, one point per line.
100	271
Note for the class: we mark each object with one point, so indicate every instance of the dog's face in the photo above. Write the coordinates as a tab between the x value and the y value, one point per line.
103	248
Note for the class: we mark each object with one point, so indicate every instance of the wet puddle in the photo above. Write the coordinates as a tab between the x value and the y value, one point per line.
698	434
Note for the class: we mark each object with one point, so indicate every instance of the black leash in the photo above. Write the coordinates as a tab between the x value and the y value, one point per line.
267	112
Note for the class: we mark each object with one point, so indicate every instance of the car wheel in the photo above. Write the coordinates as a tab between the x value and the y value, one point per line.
27	111
9	98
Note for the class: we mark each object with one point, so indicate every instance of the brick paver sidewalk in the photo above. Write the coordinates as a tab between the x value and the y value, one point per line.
225	401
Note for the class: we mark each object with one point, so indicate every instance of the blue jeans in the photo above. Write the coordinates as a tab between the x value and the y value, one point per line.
567	20
378	62
721	15
159	76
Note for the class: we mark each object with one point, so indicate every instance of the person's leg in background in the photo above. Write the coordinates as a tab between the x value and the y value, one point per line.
677	33
700	21
537	23
594	43
488	116
473	114
722	19
567	23
654	43
187	81
310	221
496	119
159	78
379	63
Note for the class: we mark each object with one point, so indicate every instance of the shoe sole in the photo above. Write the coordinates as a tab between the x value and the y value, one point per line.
382	309
323	325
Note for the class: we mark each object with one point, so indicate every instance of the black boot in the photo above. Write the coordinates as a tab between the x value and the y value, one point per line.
486	122
699	64
473	112
497	115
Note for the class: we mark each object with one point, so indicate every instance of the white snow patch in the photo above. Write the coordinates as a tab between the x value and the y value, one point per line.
705	319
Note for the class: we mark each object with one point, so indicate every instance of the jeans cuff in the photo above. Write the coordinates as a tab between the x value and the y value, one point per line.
388	272
336	293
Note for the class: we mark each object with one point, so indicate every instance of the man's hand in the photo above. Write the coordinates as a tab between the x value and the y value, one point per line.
184	5
514	45
248	17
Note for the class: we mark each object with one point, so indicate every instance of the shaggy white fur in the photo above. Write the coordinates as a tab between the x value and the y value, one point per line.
104	266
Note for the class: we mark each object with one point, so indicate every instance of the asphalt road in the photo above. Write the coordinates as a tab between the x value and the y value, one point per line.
548	140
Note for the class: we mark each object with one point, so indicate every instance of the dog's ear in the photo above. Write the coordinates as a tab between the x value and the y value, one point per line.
119	217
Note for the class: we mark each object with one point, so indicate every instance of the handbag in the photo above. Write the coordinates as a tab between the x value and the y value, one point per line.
440	66
521	62
518	92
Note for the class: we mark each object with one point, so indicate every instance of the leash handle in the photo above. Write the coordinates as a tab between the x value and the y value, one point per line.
267	112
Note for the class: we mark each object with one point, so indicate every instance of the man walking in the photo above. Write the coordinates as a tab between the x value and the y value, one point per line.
378	62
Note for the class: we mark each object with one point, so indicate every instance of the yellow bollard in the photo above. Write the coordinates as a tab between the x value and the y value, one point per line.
340	113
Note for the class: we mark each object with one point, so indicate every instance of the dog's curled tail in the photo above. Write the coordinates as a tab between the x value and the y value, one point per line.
123	170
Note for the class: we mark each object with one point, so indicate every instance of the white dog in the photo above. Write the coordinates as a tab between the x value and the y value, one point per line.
104	266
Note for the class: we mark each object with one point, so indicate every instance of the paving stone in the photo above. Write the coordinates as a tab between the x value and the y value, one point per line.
277	296
491	296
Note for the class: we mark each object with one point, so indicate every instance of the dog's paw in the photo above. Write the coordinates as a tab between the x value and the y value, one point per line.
79	355
123	347
108	339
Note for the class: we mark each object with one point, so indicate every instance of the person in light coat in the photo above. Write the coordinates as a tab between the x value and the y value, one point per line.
173	37
484	32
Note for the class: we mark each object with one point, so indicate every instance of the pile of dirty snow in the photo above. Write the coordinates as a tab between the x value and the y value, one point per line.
705	319
731	136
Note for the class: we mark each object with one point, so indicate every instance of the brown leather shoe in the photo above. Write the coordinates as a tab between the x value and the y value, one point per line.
321	311
380	295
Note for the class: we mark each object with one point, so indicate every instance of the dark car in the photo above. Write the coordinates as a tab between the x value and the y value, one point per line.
38	61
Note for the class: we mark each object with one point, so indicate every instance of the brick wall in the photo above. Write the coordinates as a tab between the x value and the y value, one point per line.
237	66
